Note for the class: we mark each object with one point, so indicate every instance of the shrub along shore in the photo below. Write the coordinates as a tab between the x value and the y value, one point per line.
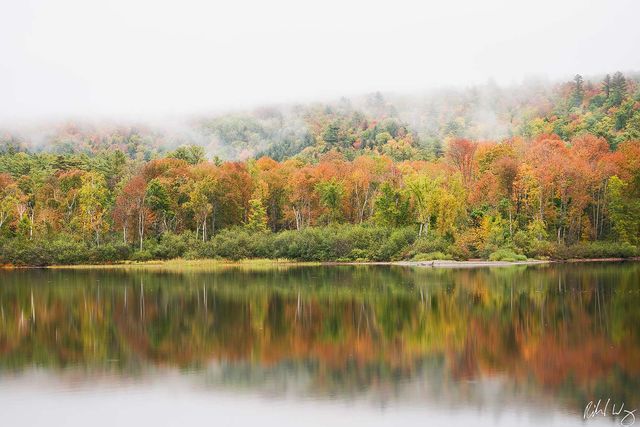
338	243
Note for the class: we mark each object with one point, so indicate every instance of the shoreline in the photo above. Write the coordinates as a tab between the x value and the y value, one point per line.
181	264
485	263
469	264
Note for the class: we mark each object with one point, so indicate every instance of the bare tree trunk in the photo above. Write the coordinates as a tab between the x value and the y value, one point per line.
31	223
510	223
213	220
541	207
604	201
204	229
298	216
141	227
364	206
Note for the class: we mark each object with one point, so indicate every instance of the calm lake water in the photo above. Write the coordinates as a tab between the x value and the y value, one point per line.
306	346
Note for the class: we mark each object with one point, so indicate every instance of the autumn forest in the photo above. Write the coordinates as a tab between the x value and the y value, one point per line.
554	172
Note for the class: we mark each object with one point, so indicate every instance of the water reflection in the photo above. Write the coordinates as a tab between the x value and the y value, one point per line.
546	335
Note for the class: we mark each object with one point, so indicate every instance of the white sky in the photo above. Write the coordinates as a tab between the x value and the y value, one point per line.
63	58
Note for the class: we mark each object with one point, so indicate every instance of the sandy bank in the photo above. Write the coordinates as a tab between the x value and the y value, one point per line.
481	263
466	264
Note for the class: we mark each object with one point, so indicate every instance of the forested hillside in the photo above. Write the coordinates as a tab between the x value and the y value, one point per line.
403	127
538	170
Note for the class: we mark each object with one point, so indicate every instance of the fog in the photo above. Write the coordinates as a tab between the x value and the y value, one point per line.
123	58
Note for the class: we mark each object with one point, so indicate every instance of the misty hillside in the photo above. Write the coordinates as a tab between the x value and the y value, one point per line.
415	126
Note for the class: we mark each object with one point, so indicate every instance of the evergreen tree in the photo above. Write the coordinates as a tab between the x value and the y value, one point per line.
578	91
618	88
606	86
331	135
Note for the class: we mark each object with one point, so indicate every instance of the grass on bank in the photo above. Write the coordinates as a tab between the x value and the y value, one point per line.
182	264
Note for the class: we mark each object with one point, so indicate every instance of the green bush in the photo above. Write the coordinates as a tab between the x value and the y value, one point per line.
345	242
426	245
108	252
336	242
42	252
321	246
201	250
542	249
586	250
171	245
310	244
506	254
143	255
261	244
359	255
431	256
397	243
18	252
234	244
63	251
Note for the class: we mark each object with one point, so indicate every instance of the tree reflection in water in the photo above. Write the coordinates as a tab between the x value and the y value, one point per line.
567	332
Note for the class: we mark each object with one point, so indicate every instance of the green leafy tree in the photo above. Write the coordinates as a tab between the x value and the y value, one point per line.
157	199
10	197
199	204
382	138
624	211
437	202
331	193
451	206
192	154
93	197
391	207
425	192
257	220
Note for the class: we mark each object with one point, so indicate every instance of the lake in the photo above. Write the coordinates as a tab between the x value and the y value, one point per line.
318	346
